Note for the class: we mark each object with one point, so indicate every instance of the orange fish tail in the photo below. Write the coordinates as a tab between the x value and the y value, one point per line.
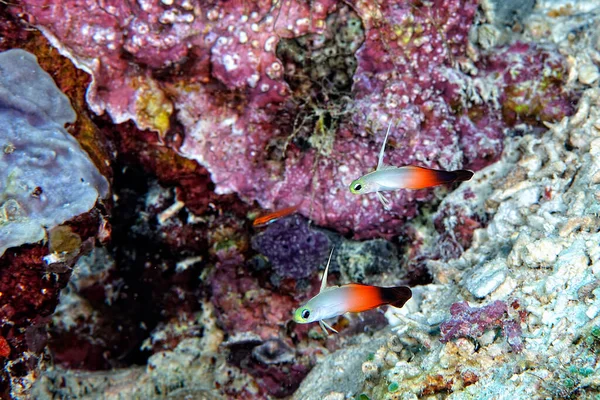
366	297
427	177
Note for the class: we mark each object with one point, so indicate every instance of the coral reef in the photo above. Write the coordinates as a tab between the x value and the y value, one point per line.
371	262
214	109
155	258
278	127
532	84
48	213
472	322
244	305
549	263
529	272
194	366
338	372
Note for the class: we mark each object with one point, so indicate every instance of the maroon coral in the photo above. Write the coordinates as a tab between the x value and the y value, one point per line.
243	305
472	322
532	81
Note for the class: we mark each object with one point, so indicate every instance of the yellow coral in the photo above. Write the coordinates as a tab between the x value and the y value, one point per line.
153	108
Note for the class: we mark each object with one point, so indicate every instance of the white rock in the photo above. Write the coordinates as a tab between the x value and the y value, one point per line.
588	74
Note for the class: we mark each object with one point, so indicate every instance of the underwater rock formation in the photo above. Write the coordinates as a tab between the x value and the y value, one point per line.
371	262
42	166
294	249
530	274
48	193
472	323
533	271
279	103
286	103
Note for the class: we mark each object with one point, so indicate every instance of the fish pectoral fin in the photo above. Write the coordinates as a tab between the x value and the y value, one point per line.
322	324
384	201
325	326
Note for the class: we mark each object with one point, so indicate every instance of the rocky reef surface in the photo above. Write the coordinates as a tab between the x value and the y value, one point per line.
49	190
517	314
198	116
285	103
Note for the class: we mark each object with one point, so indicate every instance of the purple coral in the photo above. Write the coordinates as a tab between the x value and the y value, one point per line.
294	248
472	322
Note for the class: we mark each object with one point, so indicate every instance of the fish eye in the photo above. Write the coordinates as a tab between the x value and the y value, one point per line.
305	313
357	187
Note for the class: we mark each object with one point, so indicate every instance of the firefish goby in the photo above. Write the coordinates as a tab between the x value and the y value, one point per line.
387	178
333	301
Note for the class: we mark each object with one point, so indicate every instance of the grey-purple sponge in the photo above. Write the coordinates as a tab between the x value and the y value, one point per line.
46	178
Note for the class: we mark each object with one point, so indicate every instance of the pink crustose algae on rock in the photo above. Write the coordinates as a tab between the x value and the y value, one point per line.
286	103
473	322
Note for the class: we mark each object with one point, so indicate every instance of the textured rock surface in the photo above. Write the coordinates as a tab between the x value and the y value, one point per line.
542	241
180	289
343	370
290	124
534	263
191	368
48	193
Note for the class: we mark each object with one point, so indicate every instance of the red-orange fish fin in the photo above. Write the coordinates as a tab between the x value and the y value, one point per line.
427	177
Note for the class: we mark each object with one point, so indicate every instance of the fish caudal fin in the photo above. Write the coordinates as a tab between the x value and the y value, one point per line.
396	296
421	177
463	175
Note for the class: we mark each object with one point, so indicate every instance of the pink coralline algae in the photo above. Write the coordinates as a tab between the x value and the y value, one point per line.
471	322
286	103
